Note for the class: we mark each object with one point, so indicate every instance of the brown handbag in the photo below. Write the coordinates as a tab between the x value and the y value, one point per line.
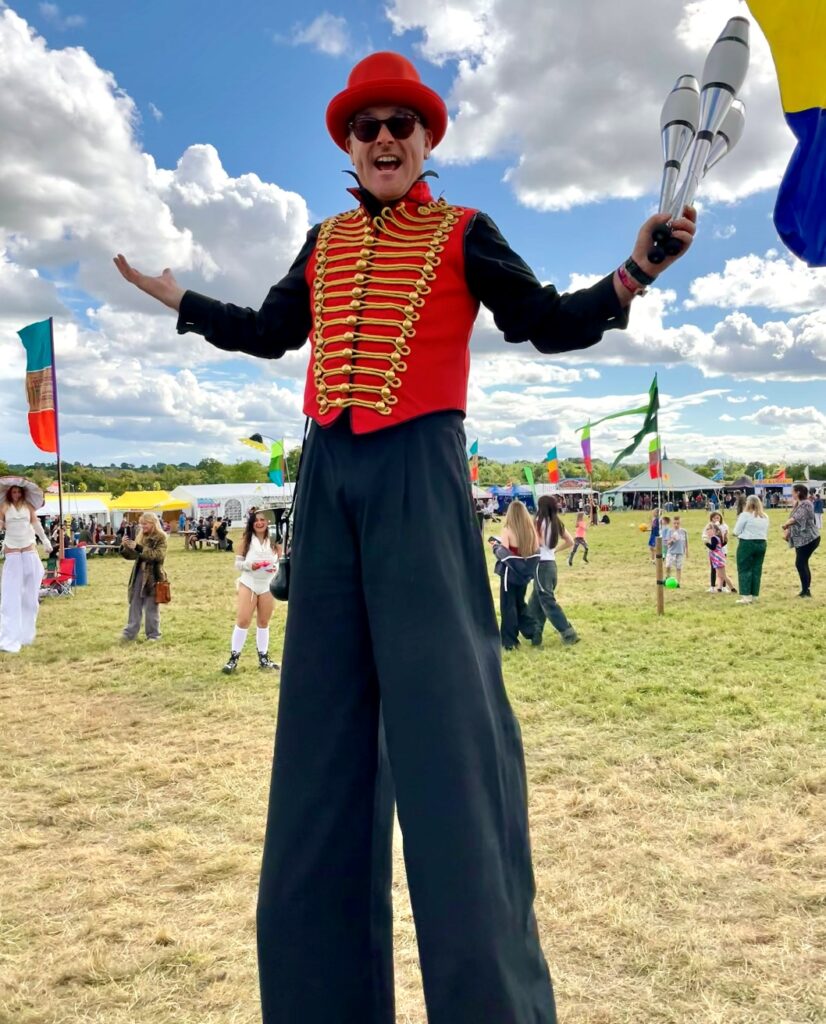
163	593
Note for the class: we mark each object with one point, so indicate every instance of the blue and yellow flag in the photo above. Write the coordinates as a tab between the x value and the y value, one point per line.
796	30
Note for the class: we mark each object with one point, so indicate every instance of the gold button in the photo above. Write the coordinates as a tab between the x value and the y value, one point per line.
386	392
410	310
420	286
380	405
348	335
361	265
345	387
339	402
364	252
360	278
357	292
390	375
368	238
352	320
347	368
430	255
355	304
413	296
347	353
407	324
395	357
427	268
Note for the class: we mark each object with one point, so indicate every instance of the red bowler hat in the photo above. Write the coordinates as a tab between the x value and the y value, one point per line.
385	79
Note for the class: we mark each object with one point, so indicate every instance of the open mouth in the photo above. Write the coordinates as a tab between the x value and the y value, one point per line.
387	163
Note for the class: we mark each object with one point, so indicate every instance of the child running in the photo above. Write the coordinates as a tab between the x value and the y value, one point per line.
579	538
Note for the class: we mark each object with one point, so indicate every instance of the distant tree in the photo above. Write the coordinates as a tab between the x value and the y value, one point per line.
212	471
292	457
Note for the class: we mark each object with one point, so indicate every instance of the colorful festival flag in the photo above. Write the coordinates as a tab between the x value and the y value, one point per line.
779	477
718	476
40	384
649	425
474	461
795	30
758	475
654	462
553	465
586	448
276	470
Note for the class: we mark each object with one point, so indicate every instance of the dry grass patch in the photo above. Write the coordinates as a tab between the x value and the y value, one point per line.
677	777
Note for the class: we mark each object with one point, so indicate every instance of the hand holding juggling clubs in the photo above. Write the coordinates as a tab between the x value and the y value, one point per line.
703	124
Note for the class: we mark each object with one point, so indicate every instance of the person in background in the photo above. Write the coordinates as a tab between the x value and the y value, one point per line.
752	531
801	531
517	555
147	551
257	561
553	537
677	550
23	570
580	530
665	529
654	533
182	522
221	533
817	505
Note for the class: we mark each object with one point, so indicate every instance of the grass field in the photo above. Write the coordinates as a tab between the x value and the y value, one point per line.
678	801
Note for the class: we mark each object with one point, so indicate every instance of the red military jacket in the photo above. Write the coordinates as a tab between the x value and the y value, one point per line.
391	313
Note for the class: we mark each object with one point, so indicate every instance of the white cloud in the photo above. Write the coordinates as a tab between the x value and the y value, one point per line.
771	281
724	232
155	112
725	418
528	71
787	416
759	398
51	12
326	33
737	400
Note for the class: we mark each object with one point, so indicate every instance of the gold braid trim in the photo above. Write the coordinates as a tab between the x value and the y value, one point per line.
351	253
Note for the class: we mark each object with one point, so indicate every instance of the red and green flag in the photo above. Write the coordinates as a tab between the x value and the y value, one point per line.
276	470
655	465
40	384
473	455
586	449
553	465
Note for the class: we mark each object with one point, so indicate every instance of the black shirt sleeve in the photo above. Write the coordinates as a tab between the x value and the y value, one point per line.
282	323
524	309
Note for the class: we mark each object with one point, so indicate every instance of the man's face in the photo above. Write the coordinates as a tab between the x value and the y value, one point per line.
388	167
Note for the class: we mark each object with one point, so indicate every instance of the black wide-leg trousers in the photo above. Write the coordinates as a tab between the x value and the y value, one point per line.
390	606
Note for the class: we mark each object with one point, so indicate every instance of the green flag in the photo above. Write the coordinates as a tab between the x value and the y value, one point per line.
649	425
532	485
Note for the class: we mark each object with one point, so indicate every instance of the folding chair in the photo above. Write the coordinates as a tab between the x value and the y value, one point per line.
59	579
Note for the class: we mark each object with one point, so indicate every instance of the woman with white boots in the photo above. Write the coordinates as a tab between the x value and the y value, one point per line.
258	560
23	571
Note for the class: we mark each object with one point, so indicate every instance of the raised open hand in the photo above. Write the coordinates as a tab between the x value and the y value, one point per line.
164	288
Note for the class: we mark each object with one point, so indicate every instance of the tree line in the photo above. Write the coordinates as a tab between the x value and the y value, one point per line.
163	476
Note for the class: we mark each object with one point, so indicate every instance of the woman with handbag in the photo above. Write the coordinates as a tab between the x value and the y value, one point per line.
258	560
147	551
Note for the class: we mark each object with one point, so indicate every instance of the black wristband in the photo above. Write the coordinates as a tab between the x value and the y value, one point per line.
639	275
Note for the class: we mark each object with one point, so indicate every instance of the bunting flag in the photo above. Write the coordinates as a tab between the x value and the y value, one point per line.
718	476
649	425
779	477
40	384
795	30
474	461
586	448
553	465
805	472
654	462
276	470
531	483
758	475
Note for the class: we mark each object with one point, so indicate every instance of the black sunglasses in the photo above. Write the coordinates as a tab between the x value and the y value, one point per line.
400	126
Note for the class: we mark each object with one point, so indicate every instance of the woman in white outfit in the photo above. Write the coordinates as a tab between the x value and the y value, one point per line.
258	560
23	570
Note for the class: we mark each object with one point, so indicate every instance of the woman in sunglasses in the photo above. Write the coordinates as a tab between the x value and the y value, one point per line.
379	616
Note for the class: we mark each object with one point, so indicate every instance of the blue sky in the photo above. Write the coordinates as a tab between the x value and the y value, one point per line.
192	135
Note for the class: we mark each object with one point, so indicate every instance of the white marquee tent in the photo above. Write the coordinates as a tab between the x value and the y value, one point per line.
231	501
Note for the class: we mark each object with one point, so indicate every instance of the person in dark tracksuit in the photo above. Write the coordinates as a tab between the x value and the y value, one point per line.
517	558
388	292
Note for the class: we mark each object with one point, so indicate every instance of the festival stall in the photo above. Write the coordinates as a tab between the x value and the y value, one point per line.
678	484
231	501
89	505
131	504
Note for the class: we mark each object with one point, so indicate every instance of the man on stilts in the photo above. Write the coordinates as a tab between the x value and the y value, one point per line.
387	293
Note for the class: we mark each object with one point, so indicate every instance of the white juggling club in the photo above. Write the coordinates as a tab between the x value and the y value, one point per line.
678	126
728	135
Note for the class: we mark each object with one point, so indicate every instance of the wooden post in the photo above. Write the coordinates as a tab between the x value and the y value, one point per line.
61	538
658	555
